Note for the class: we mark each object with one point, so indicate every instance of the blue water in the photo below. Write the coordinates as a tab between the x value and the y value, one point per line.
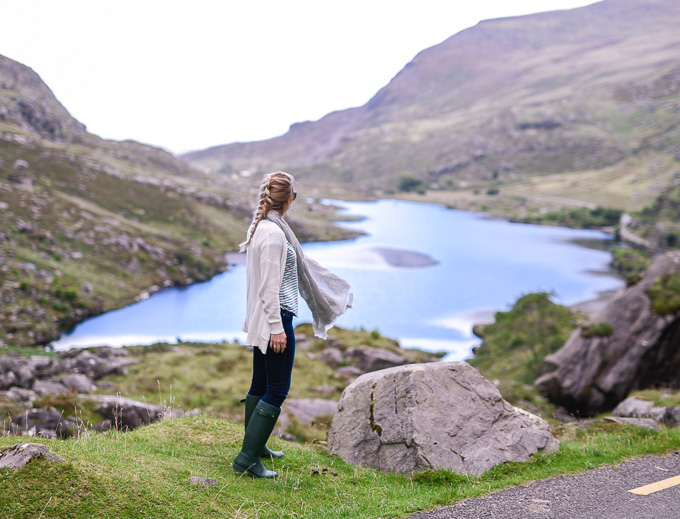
483	265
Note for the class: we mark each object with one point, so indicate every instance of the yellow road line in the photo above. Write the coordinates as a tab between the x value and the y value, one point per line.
655	487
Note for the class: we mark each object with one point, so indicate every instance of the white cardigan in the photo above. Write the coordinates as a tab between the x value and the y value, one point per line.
265	263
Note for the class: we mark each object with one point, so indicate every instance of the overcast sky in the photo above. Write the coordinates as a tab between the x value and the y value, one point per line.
186	75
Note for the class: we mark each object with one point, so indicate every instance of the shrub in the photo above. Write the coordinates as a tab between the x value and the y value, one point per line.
578	217
601	329
517	342
665	294
630	263
70	295
408	183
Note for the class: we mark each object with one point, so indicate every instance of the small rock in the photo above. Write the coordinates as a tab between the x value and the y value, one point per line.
633	408
638	422
306	410
206	482
325	389
349	371
18	456
126	413
45	422
332	357
673	416
658	413
20	164
79	382
106	425
374	359
45	387
20	395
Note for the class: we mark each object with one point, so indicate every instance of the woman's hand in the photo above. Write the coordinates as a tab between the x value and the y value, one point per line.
278	342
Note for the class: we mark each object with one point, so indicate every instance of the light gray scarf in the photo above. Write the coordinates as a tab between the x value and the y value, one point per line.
327	295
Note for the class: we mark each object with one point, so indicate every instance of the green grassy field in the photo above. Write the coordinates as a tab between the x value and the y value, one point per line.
145	473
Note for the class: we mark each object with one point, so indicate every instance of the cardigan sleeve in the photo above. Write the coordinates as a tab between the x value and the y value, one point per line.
271	252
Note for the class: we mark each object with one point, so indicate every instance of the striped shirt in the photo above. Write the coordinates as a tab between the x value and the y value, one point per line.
288	294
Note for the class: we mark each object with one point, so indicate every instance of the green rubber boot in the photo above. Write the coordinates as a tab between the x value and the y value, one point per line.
259	429
251	402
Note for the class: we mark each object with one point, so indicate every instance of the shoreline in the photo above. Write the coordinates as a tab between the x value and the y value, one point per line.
388	257
594	306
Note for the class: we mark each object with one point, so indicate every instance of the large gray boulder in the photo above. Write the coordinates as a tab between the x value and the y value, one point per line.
429	416
589	375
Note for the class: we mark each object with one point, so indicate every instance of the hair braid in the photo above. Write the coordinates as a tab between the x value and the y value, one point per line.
275	191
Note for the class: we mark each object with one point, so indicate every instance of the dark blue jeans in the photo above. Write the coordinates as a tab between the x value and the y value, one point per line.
272	371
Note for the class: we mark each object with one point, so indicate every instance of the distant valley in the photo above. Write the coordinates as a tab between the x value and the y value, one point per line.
89	225
517	116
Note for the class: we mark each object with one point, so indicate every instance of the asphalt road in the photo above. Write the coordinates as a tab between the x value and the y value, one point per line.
597	494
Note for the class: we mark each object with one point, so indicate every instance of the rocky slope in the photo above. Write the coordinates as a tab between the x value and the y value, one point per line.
591	92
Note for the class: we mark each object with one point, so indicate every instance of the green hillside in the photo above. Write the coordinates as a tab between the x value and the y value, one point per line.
516	115
89	225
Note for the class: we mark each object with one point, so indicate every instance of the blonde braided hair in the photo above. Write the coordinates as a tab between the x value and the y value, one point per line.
275	191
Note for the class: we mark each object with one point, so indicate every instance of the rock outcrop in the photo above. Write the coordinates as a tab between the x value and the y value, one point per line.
23	381
80	367
429	416
592	374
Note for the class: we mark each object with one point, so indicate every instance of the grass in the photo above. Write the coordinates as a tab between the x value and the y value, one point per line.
630	263
577	217
145	473
514	346
665	294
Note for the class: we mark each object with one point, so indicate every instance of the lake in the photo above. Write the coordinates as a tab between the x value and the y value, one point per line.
422	274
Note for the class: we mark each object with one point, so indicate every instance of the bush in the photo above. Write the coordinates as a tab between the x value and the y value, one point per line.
409	183
579	217
517	342
601	329
665	294
630	263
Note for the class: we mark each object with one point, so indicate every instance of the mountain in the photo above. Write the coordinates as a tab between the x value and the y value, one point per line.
513	104
88	225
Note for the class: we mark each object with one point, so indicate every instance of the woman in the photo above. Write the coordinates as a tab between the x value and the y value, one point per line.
276	270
